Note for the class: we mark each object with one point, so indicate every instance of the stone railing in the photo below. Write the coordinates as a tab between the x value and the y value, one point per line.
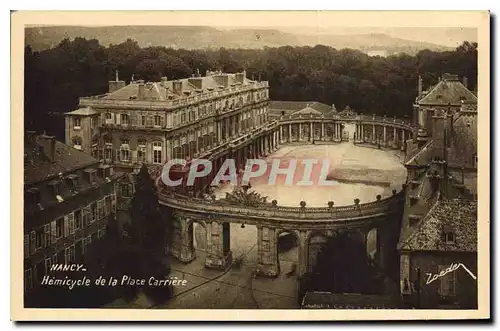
273	211
99	102
356	118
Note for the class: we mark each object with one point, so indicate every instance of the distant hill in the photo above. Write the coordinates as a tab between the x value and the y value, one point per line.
199	37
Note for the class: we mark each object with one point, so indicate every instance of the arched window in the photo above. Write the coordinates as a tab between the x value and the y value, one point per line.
141	150
157	152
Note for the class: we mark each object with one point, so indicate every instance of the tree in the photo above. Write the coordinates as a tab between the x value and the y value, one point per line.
148	234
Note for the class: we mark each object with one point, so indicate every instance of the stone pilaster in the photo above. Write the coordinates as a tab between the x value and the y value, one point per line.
289	133
323	132
302	267
218	253
186	250
385	135
267	252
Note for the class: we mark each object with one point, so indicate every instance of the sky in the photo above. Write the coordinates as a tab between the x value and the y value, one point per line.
441	36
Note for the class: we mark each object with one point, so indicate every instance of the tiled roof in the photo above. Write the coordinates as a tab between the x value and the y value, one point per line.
458	216
448	91
463	140
86	111
422	157
158	90
290	107
37	167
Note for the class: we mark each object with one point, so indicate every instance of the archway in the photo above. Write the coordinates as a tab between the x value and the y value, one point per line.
372	246
197	237
315	245
288	252
348	129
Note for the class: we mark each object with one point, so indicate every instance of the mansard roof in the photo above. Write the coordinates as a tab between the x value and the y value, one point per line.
455	215
158	90
449	91
38	167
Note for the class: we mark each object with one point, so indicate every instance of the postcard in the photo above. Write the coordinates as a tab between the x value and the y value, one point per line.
285	166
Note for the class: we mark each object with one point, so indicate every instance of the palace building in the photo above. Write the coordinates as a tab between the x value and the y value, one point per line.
152	122
439	224
69	197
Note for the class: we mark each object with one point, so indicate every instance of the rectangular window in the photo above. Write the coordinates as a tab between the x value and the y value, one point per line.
125	188
54	258
48	239
108	153
48	263
87	216
157	120
84	246
100	208
76	123
67	256
78	219
71	223
143	120
124	118
93	214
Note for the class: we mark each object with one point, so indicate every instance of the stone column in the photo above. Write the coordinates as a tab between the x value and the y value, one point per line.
300	131
219	131
289	133
311	132
322	131
302	267
186	249
218	252
267	252
403	141
362	132
374	139
385	135
281	134
394	139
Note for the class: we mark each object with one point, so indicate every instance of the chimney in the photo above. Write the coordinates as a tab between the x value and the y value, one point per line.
465	81
420	86
196	82
141	94
241	76
48	144
116	84
438	134
177	87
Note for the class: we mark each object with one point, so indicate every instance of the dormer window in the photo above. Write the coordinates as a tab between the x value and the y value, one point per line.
108	118
448	235
73	181
90	173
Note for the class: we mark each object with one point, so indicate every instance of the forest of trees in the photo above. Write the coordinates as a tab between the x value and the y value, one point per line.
56	78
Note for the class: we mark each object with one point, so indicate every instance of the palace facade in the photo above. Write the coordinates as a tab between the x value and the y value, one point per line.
152	122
